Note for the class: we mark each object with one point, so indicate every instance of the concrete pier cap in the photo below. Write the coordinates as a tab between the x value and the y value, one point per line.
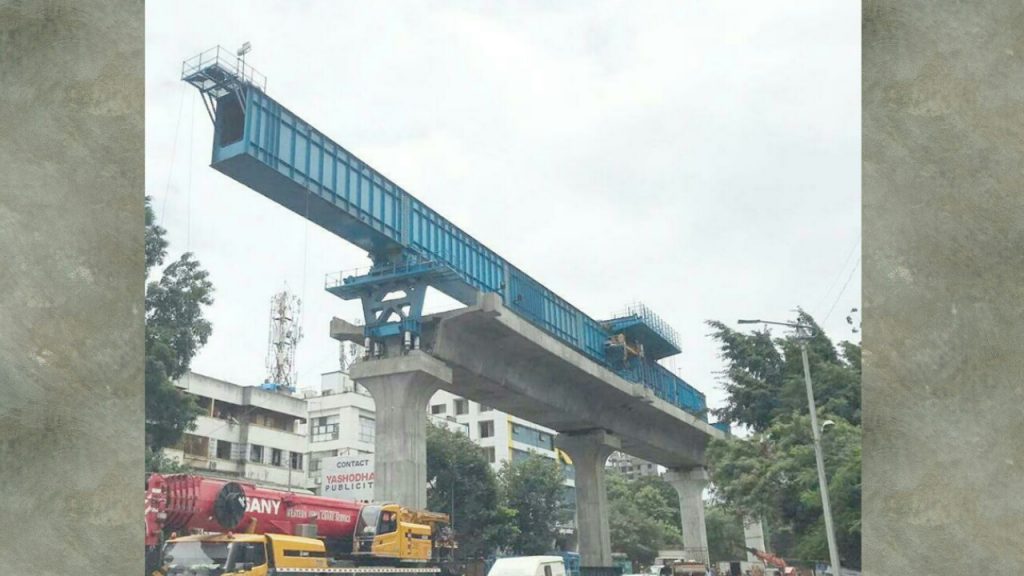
588	451
689	484
401	387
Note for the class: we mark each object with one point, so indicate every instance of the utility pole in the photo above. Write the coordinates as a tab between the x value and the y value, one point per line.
804	334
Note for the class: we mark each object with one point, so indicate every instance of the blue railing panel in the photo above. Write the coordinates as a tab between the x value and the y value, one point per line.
432	235
298	151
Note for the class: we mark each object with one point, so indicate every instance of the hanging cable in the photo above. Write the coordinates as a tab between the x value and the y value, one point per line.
188	214
305	263
174	150
305	247
840	295
835	279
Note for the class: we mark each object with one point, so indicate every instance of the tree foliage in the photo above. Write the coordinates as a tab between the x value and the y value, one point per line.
772	474
532	487
465	486
725	533
643	516
175	331
764	377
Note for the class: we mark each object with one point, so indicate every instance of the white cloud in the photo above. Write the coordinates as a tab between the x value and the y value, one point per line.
701	157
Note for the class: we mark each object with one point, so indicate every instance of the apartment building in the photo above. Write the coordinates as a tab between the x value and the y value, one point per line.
503	437
342	422
244	432
630	466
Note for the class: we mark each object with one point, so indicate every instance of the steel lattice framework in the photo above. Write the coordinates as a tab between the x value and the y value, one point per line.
263	145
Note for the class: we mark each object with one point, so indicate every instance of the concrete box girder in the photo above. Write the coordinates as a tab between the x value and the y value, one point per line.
499	359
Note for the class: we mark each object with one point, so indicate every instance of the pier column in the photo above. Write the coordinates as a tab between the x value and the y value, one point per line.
401	387
690	484
753	536
588	452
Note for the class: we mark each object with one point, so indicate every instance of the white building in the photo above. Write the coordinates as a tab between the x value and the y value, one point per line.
504	437
244	432
631	467
342	421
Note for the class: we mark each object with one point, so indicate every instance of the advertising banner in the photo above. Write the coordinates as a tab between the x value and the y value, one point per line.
347	477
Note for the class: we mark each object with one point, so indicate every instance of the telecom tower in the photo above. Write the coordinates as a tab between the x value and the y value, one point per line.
285	333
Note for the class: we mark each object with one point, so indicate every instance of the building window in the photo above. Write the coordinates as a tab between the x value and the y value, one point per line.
296	461
487	429
485	408
533	437
196	446
275	457
223	450
489	454
366	429
569	497
316	459
438	409
324	432
461	406
256	453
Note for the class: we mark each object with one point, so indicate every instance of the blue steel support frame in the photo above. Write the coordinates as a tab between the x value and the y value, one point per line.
262	144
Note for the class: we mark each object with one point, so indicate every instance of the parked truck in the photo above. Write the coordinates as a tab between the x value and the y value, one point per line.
218	527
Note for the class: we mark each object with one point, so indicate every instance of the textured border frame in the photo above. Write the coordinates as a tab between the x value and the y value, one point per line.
71	287
943	99
943	210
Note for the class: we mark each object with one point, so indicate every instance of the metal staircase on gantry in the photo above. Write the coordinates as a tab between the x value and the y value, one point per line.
263	145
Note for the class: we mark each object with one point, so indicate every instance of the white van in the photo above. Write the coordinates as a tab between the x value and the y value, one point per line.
528	566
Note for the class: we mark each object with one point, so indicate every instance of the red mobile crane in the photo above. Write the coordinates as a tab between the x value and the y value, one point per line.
234	524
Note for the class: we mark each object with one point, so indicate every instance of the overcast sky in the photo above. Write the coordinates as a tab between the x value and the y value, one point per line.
702	157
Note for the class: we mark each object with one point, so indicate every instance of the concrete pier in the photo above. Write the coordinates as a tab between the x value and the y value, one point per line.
753	536
690	484
588	452
401	389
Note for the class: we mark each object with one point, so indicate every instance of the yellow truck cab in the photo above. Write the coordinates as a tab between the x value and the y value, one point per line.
385	534
241	554
391	531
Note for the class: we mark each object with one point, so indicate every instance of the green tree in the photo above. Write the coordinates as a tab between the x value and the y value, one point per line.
725	533
532	487
644	516
772	473
465	486
175	331
764	377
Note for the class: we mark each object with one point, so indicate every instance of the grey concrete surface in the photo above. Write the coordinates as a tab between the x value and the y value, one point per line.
589	451
690	485
71	287
943	181
401	388
501	360
495	357
753	536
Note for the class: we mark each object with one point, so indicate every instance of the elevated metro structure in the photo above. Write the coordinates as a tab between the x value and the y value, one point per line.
516	345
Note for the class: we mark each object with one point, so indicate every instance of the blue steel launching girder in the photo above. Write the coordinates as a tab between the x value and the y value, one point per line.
261	144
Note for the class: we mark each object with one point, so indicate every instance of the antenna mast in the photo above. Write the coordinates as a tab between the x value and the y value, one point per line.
285	333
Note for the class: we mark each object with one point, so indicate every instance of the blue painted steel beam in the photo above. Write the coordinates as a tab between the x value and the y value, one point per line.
263	145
